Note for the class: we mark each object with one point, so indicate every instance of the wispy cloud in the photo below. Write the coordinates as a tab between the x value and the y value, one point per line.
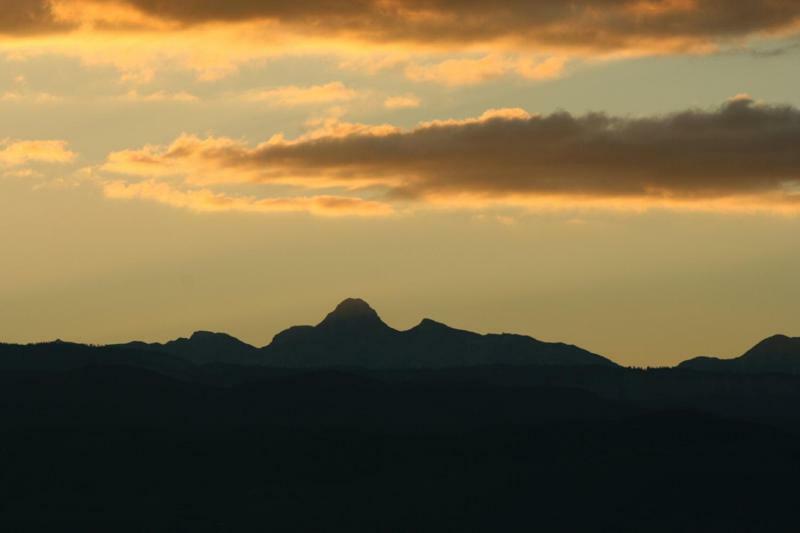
205	200
19	152
27	96
293	95
159	96
469	71
404	101
459	71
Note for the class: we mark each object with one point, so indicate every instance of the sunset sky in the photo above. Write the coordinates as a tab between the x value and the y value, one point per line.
623	175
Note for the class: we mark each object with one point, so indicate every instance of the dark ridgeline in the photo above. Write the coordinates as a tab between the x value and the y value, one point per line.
352	425
353	335
778	354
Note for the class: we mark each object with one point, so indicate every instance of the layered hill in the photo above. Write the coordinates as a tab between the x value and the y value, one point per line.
777	354
203	347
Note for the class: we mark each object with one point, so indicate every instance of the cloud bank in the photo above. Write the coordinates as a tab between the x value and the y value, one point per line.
741	155
551	26
605	24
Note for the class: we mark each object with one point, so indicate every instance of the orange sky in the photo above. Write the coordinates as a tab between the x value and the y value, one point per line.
537	156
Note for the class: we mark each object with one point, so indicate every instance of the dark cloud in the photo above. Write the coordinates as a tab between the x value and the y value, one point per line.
606	24
597	24
740	150
24	17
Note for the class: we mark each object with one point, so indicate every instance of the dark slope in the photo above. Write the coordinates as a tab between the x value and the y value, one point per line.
353	335
118	449
776	354
61	356
204	347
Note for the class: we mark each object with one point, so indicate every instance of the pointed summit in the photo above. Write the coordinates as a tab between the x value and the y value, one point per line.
353	307
353	313
428	325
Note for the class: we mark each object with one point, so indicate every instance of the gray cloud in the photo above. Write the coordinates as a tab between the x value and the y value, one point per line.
740	150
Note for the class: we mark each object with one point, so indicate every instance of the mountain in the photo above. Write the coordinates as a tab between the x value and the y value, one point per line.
203	347
353	335
776	354
59	356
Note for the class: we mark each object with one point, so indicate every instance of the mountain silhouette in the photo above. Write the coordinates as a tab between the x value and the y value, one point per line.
353	335
353	425
354	315
59	356
203	347
778	354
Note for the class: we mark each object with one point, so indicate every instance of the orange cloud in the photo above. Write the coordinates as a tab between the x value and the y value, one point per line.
469	71
581	23
292	95
549	68
405	101
214	37
15	153
159	96
204	200
221	160
37	97
459	71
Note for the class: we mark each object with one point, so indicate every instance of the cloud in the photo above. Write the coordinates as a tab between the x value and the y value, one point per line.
159	96
213	37
469	71
581	23
205	200
37	97
405	101
293	96
742	155
15	153
30	17
459	71
549	68
221	160
21	173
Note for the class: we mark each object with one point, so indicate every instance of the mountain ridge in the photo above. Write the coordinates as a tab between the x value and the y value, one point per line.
778	354
353	335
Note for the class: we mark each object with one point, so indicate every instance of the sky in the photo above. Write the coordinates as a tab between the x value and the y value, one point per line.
623	175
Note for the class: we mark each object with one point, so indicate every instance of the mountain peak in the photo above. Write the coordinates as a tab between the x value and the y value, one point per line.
774	345
429	324
777	338
354	307
352	312
202	335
